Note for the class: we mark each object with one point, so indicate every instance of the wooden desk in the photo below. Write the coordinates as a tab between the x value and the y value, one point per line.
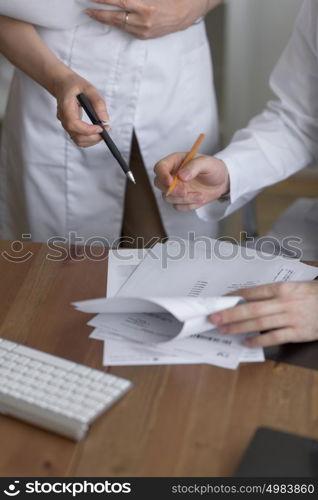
176	421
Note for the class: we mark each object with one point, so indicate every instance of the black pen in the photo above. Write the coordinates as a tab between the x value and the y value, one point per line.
91	113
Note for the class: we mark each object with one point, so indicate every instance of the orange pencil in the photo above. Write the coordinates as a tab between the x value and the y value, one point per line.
186	160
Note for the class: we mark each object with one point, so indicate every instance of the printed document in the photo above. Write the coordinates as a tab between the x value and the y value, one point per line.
162	294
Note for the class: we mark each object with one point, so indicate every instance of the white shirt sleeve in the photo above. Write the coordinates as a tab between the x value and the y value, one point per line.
284	138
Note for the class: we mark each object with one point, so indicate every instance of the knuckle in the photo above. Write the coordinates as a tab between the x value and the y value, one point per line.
64	103
162	165
148	23
123	4
283	289
68	125
78	140
276	338
256	309
224	318
145	35
297	318
118	17
150	12
261	323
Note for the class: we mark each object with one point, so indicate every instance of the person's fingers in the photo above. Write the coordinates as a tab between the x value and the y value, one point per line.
197	166
254	293
187	199
74	125
180	190
276	337
264	291
69	113
129	5
85	141
161	185
257	324
251	310
165	170
187	208
78	127
133	16
114	18
136	26
98	104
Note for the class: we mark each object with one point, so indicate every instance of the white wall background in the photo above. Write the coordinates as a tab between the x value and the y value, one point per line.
256	32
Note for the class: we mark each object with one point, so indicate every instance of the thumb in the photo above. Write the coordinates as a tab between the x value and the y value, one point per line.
191	171
212	171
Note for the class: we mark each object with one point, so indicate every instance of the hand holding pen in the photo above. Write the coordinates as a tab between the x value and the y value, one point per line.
91	113
69	111
73	92
203	179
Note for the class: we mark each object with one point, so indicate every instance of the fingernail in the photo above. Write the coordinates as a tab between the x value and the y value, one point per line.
100	129
89	12
215	318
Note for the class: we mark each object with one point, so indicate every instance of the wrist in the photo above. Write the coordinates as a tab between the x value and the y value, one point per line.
56	76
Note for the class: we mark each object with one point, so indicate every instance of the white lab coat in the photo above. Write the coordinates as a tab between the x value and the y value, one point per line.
161	88
284	138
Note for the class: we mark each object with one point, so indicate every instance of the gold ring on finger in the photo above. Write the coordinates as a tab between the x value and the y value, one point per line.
126	18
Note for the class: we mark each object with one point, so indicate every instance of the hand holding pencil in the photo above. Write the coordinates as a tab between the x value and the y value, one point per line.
186	160
203	178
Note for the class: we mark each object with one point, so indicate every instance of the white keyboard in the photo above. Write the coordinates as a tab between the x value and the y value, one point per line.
54	393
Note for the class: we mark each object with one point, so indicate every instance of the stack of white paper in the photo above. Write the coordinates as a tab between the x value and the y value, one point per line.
157	307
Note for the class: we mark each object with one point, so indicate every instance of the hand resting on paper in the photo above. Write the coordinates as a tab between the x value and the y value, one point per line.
287	312
203	180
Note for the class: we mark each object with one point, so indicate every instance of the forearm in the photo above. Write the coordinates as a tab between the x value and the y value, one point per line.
21	44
